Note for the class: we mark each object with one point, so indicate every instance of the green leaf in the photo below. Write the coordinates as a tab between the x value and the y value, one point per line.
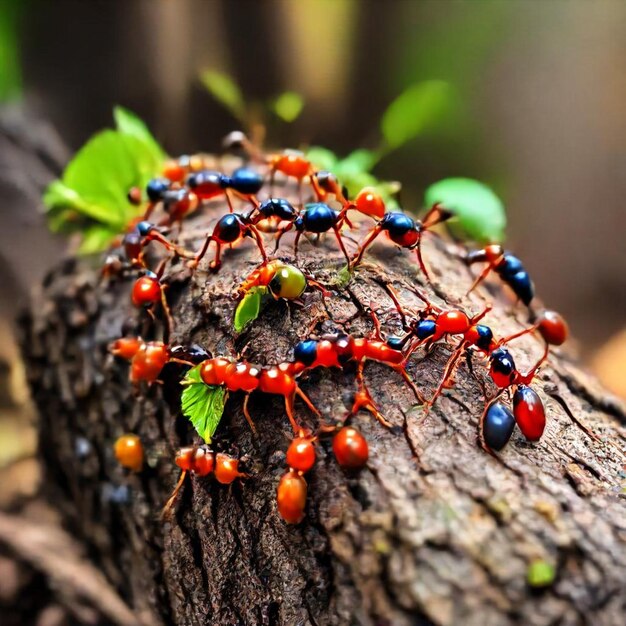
322	158
202	404
540	573
479	213
414	111
10	66
248	308
357	162
96	238
224	89
129	124
288	106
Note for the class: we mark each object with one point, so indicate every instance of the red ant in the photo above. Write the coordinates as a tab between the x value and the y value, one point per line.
338	350
147	358
402	229
202	461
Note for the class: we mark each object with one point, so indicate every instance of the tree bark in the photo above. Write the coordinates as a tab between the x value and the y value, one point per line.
433	531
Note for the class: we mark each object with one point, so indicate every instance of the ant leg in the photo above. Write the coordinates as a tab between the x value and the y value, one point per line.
182	362
168	314
364	400
229	201
289	403
528	378
196	260
300	197
246	413
479	279
259	242
341	244
149	211
521	333
280	234
295	245
448	372
307	401
170	501
420	260
368	240
401	369
216	262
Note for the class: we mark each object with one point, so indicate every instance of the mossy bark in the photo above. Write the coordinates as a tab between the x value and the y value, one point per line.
433	531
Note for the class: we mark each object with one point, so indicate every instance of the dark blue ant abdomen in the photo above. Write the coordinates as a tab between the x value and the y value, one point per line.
318	217
497	426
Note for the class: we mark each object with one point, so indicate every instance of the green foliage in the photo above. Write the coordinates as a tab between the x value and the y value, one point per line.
540	573
91	197
479	213
10	68
224	89
202	404
288	106
249	308
414	110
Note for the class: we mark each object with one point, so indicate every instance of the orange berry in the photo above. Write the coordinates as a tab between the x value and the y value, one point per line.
129	452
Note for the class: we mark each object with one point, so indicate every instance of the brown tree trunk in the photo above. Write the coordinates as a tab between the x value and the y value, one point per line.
432	531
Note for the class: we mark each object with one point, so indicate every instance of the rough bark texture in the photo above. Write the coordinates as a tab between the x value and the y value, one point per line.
432	531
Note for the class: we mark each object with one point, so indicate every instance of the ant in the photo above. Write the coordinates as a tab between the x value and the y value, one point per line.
507	266
402	229
340	349
230	228
315	217
202	461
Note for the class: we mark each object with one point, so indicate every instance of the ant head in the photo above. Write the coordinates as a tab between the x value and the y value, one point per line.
229	228
502	369
327	181
156	188
235	141
306	351
494	252
144	227
278	207
402	229
424	328
480	335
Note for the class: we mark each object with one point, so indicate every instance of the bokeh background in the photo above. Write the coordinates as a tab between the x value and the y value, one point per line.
534	107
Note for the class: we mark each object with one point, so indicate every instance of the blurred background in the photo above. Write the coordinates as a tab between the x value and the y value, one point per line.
533	104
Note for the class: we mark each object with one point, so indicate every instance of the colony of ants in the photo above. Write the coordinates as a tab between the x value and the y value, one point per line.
187	185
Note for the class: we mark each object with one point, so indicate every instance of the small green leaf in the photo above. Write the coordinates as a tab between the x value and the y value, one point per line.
479	213
288	106
540	573
322	158
96	238
224	89
202	404
248	308
128	123
93	190
343	277
414	110
10	66
357	162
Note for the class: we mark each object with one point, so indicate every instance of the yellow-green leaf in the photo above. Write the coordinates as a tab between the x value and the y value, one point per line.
224	89
202	404
322	158
128	123
414	111
248	308
288	106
